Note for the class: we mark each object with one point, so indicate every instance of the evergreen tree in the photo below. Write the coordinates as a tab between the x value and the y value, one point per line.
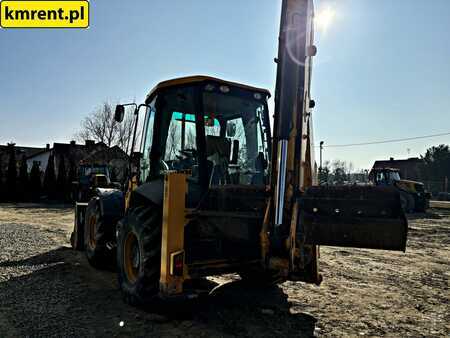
50	178
437	163
11	175
35	182
61	181
23	191
72	177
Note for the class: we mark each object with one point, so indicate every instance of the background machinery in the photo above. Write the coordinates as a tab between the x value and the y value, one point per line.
91	176
413	196
213	190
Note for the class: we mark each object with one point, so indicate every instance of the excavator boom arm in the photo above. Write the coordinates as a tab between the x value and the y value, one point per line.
292	123
303	216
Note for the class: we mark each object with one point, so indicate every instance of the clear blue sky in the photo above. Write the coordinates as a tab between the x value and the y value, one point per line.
382	69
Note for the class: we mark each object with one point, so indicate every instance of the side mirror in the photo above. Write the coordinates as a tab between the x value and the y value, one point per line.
311	50
231	129
120	113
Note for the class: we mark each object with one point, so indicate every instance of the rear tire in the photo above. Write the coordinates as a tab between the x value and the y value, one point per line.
95	237
139	254
422	205
407	202
77	236
76	240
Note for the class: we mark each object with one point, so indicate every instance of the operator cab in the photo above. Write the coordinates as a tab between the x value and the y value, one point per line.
385	176
218	131
86	170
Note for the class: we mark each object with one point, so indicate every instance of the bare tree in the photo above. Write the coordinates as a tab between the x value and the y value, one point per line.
125	132
240	136
172	142
190	139
350	168
100	126
324	173
341	171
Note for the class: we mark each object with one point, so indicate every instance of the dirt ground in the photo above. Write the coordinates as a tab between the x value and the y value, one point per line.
46	289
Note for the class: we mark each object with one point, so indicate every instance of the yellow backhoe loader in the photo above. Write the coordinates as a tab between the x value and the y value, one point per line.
213	190
413	196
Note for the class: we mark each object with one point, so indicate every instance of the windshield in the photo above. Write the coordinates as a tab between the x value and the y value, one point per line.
394	176
234	134
387	177
91	170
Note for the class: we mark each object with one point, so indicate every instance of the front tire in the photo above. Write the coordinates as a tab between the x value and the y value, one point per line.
139	254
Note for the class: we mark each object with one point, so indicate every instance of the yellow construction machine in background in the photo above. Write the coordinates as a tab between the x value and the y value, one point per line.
413	196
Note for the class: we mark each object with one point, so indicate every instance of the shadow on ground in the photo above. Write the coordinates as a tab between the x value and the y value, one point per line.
240	309
47	206
53	256
66	297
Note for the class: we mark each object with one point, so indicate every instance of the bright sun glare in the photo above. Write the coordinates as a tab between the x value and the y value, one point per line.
324	17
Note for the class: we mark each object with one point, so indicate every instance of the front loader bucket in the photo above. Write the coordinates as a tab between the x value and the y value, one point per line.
353	216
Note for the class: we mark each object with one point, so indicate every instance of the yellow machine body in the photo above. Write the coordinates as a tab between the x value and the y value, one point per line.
255	210
173	223
409	186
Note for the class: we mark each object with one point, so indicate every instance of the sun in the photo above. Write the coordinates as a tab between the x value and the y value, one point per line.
324	18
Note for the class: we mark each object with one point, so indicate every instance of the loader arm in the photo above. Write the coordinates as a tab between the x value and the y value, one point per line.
293	165
292	103
302	216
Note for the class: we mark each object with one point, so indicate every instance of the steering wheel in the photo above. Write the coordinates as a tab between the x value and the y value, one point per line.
189	153
164	165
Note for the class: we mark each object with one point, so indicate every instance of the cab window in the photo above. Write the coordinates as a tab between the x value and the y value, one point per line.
181	147
147	142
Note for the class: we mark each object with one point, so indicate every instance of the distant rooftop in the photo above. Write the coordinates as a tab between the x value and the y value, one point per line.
20	151
392	161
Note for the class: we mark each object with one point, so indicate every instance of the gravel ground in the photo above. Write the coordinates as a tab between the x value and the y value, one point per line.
46	289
